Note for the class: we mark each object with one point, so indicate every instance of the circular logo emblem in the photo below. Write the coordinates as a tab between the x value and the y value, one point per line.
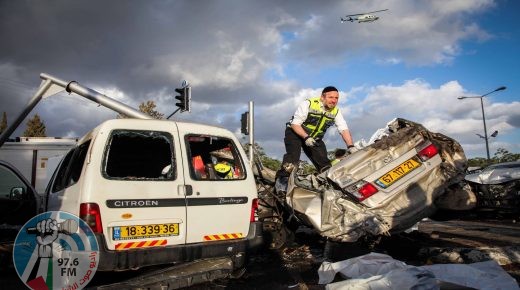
56	250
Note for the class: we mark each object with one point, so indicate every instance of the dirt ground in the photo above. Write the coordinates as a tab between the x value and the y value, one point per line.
453	240
434	242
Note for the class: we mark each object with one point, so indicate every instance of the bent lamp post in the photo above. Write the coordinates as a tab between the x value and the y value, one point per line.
485	137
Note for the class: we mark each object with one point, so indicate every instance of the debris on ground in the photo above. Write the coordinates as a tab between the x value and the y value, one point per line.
377	271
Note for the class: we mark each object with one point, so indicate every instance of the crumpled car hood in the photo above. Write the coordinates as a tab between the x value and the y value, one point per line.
319	200
496	174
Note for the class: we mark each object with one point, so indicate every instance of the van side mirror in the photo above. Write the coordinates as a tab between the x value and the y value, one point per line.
17	193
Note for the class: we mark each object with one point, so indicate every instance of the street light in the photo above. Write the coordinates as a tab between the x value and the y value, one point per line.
485	137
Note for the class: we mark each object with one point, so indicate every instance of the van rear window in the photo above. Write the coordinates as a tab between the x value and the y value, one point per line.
139	155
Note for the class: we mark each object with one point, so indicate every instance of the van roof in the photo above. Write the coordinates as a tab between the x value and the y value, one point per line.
141	124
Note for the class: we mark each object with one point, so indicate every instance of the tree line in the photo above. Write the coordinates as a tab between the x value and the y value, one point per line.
35	127
500	156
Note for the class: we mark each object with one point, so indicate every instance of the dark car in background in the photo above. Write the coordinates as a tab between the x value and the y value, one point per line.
19	202
497	187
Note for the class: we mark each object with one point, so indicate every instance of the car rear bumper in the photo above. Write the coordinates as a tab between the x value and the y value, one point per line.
111	260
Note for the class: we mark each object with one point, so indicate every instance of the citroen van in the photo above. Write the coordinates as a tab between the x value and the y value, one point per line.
150	192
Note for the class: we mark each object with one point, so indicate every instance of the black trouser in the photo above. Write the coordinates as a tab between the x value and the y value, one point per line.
293	146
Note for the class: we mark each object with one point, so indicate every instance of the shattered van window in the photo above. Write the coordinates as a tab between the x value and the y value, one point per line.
214	158
139	155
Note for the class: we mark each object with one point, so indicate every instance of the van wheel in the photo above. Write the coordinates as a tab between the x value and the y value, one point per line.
238	273
278	235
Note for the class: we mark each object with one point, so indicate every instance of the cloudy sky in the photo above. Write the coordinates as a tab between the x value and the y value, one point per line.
412	63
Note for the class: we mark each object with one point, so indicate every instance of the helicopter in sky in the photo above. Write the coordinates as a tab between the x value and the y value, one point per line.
362	17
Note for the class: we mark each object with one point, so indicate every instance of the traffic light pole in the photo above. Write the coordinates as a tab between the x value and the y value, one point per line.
184	97
173	113
251	132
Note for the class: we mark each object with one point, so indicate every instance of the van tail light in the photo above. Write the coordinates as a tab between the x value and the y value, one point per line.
362	190
254	209
89	212
428	152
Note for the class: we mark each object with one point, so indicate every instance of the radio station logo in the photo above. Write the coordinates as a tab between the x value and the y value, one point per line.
56	250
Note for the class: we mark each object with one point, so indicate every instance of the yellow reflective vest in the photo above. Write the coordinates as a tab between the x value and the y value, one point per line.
318	120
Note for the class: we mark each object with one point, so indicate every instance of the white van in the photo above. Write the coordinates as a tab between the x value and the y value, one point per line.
150	192
36	157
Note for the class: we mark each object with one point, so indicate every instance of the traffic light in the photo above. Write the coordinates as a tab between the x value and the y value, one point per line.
244	123
184	98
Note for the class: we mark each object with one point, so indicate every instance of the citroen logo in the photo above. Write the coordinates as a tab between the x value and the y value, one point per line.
387	159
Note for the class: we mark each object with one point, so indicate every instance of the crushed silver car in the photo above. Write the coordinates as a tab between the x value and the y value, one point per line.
497	187
387	186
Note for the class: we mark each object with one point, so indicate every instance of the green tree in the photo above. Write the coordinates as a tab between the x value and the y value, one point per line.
35	127
307	167
271	163
3	123
502	155
477	162
275	164
267	161
147	107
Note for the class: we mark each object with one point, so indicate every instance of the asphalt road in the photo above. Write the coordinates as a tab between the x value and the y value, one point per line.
464	239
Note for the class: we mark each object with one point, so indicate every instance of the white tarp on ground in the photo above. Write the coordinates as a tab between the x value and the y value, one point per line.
376	271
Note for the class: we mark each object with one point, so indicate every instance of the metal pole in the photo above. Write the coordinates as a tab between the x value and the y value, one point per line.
52	85
28	108
173	113
484	116
251	132
485	129
97	97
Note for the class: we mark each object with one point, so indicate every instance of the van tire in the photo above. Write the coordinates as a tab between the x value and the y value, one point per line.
278	236
238	273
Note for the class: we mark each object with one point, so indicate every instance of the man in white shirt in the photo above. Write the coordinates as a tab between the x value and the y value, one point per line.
307	129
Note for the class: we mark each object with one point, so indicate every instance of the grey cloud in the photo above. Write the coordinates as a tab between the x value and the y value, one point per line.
514	120
231	51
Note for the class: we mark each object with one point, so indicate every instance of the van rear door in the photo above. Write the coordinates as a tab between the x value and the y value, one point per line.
142	184
126	181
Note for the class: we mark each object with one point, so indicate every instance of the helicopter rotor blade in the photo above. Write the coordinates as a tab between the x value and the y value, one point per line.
355	14
377	11
365	13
